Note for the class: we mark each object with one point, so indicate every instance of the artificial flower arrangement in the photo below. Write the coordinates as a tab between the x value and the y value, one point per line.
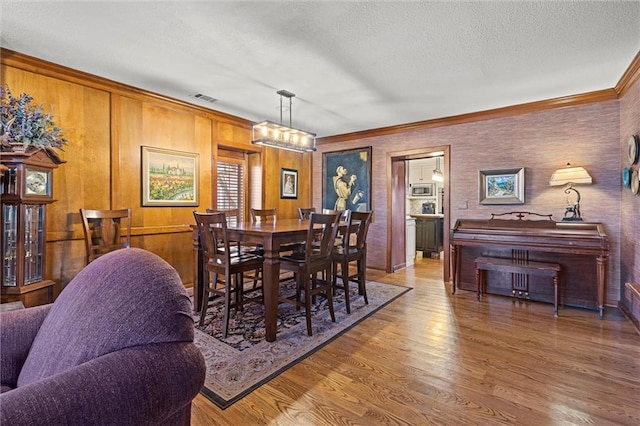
24	125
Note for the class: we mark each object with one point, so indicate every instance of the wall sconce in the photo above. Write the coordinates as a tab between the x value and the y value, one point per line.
268	133
571	176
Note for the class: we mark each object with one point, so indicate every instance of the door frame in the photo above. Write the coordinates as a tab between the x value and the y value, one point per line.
394	209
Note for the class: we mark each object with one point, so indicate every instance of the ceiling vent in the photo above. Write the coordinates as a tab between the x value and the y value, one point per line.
204	97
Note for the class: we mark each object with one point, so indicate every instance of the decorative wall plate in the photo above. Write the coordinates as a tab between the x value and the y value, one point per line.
635	182
626	177
633	149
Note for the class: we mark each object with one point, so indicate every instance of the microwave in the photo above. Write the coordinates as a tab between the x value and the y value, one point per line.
425	190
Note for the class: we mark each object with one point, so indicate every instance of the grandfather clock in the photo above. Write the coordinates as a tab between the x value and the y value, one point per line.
25	190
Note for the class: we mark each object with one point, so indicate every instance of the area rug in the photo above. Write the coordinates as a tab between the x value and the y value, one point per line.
244	360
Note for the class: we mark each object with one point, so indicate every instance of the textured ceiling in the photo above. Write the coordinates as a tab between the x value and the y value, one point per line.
353	65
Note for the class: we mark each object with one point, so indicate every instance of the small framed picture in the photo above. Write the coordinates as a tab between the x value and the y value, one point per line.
505	186
288	183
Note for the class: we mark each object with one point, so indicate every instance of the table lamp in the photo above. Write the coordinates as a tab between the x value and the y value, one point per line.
570	176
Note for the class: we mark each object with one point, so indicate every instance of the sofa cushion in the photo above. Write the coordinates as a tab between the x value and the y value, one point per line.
129	297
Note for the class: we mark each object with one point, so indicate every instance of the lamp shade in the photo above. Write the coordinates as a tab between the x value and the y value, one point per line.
569	174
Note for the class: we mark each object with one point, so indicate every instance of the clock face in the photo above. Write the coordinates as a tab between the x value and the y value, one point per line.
37	182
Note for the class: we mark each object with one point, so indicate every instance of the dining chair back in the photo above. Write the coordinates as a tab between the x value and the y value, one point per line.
222	262
313	260
304	213
232	215
263	215
352	248
343	213
105	231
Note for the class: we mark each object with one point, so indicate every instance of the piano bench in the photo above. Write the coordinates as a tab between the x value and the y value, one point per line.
545	269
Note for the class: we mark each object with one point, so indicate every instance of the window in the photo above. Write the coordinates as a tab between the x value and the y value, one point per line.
231	186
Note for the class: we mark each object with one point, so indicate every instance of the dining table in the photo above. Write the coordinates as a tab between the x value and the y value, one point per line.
272	236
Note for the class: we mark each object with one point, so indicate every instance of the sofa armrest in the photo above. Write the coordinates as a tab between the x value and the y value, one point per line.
133	386
18	328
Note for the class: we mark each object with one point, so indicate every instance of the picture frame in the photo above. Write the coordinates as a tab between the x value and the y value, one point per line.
350	187
169	178
288	183
502	186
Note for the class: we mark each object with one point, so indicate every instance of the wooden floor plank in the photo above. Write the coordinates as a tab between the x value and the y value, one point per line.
431	357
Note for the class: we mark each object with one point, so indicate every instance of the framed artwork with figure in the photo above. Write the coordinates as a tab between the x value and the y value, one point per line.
346	179
288	183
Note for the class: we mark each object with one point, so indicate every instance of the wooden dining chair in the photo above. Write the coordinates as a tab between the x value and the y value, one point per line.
222	262
352	248
314	259
105	231
304	213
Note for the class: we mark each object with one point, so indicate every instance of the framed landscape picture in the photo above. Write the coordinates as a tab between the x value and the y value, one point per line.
169	178
505	186
288	183
346	179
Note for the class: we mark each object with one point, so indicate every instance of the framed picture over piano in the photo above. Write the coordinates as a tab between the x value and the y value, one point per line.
503	186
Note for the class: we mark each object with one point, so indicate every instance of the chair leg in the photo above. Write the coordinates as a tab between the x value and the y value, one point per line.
345	284
299	284
362	280
258	273
205	296
307	303
239	291
227	304
328	290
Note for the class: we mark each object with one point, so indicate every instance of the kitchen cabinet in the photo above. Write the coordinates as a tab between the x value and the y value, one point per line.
419	173
429	235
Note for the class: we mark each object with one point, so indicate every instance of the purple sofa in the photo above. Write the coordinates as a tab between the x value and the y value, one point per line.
116	348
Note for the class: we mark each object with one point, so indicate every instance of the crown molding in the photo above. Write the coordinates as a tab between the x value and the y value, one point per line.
630	77
49	69
539	106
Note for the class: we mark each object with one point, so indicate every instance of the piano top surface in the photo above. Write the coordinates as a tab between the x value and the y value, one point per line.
533	233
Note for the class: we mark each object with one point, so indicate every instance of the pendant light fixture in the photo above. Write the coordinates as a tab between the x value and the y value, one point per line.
437	175
268	133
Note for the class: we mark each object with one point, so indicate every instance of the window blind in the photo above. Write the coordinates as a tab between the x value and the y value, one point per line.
230	188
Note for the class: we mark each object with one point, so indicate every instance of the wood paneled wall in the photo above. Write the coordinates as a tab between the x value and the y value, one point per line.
106	124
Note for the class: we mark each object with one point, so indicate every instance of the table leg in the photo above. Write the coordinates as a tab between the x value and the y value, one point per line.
555	296
601	262
271	283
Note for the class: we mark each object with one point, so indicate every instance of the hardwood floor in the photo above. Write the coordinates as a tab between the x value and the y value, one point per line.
435	358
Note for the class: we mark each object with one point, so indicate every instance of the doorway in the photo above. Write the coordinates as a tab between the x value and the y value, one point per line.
397	190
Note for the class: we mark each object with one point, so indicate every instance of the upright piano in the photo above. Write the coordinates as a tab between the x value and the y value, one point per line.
581	248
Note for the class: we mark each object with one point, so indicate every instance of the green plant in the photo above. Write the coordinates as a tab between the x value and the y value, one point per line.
26	124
